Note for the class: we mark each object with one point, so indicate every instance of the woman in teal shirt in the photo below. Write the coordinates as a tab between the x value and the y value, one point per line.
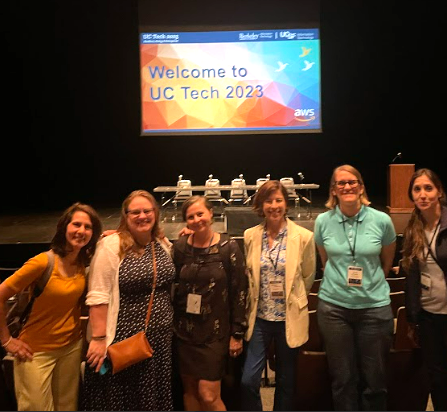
357	245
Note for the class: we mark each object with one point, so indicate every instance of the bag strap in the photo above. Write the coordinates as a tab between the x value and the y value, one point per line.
40	285
151	300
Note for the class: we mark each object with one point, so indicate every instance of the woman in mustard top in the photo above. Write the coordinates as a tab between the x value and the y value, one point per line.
48	349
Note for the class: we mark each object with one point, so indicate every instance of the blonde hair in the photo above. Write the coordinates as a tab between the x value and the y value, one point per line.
126	239
332	200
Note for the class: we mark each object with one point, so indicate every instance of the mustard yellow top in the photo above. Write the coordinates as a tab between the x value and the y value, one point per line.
54	321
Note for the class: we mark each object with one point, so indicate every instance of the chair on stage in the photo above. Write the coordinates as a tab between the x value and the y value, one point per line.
396	284
259	183
307	199
182	194
397	300
401	339
287	182
315	341
214	195
312	299
315	286
237	194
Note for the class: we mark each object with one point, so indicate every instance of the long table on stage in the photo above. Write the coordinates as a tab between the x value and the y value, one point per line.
165	189
217	189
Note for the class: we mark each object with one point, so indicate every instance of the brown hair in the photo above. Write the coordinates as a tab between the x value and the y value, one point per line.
194	199
59	241
414	235
263	193
332	200
126	239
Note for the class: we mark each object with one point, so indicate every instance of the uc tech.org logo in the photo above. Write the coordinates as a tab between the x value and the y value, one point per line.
304	115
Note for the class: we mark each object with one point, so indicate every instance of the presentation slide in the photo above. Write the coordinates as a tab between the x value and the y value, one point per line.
230	82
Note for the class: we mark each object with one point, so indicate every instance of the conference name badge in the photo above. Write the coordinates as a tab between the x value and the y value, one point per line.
276	289
355	276
193	303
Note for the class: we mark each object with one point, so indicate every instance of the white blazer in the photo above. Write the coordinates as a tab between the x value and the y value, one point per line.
300	274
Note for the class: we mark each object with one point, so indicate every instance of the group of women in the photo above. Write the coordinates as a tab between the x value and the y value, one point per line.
208	299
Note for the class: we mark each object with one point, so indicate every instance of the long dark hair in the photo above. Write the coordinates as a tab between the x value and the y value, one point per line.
414	235
59	241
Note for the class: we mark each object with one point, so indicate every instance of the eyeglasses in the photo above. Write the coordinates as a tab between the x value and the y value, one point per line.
342	183
137	212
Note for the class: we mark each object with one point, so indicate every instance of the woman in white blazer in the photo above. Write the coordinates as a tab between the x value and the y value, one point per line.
280	257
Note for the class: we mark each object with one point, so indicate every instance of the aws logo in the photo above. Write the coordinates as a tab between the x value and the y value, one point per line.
304	115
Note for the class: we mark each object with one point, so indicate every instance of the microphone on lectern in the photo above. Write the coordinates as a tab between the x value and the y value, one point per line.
398	156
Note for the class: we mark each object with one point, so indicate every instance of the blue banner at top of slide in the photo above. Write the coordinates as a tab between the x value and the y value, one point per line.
230	36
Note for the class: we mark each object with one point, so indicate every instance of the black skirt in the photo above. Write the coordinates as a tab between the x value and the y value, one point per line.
206	361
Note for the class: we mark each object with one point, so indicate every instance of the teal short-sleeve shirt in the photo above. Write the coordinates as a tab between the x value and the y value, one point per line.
367	232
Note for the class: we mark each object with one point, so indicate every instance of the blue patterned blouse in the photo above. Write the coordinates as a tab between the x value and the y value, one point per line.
273	271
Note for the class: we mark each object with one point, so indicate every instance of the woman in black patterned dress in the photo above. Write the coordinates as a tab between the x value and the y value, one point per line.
210	306
120	284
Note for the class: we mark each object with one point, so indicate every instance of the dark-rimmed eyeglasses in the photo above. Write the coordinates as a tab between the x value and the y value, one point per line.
137	212
342	183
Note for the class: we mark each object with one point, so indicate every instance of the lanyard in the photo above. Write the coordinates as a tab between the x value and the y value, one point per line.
352	247
429	251
275	265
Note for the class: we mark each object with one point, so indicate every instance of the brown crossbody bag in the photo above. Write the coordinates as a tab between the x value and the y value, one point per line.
135	349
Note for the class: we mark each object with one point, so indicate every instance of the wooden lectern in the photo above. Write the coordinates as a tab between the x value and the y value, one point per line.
399	204
399	177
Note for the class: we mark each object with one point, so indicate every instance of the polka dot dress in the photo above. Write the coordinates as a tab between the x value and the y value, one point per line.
145	386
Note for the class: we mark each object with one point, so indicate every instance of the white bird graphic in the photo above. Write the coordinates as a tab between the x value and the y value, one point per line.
308	65
282	66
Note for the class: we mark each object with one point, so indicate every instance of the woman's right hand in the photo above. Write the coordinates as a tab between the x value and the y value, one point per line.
20	350
96	354
185	232
108	232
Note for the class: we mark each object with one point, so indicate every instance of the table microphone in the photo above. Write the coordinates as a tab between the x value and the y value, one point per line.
398	156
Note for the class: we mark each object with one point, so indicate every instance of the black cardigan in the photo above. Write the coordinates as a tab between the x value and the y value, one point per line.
413	281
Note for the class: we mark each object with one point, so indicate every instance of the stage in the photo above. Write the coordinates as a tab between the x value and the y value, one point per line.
35	227
25	234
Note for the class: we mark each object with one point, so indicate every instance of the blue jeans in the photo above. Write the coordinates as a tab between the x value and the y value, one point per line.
357	344
285	361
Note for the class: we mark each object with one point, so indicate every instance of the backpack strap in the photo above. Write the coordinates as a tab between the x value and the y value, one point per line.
43	280
39	287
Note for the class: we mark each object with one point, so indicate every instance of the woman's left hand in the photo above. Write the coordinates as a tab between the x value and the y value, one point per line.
236	347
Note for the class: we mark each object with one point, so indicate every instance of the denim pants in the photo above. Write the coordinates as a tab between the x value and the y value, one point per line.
433	340
285	360
357	344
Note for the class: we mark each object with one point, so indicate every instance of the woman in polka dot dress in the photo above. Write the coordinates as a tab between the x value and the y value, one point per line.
120	285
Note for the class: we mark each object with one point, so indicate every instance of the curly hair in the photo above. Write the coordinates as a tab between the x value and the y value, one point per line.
59	241
414	235
126	239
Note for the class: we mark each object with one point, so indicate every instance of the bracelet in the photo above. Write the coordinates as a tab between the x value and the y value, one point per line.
7	342
99	337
